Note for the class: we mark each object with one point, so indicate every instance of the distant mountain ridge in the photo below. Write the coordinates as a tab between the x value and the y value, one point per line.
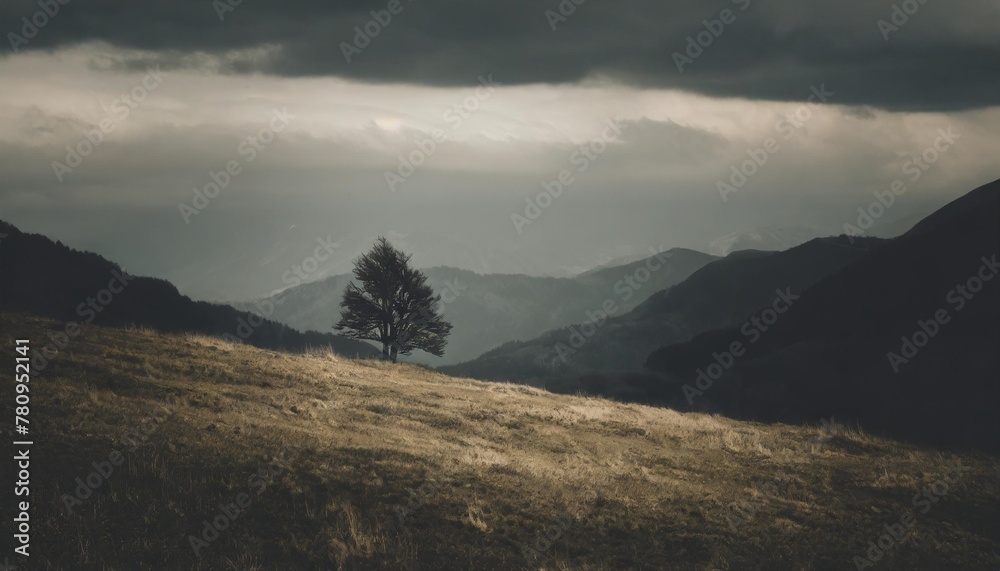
488	310
720	294
836	326
772	238
46	278
905	340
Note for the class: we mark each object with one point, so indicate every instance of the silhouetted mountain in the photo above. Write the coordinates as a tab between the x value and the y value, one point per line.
985	196
487	310
775	238
46	278
905	340
615	262
719	295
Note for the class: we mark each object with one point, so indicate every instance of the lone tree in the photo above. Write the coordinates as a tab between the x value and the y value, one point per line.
393	305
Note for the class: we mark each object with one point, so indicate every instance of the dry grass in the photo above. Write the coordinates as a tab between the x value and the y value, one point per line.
481	469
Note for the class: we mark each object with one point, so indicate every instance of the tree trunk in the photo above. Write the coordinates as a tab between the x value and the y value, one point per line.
385	351
392	356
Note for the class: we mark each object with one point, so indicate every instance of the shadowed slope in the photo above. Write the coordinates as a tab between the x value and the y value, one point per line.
392	466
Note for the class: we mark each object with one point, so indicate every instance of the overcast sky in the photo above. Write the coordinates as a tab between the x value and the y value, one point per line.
494	100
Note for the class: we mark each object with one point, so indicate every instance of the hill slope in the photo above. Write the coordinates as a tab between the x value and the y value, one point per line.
47	278
364	464
936	287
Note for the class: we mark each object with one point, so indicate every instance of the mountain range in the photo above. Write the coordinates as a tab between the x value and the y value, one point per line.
835	326
899	334
904	340
719	295
488	310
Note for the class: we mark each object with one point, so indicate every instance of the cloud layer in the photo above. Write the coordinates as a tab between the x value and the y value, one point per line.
903	55
822	102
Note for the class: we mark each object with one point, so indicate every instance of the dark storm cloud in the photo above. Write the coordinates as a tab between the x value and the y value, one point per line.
943	57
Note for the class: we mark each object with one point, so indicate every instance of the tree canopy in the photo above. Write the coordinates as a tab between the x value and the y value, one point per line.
393	305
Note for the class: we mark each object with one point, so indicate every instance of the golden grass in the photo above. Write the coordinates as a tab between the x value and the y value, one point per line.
396	466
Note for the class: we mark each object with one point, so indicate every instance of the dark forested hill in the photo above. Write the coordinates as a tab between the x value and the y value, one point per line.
46	278
906	340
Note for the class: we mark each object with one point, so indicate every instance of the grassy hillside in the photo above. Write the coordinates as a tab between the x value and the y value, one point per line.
364	464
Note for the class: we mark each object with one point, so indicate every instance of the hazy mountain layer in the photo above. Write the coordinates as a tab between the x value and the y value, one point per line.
721	294
488	310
